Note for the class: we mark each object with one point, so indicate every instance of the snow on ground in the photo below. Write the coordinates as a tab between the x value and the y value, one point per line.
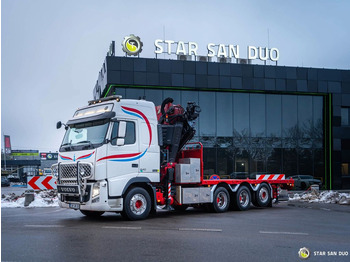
330	197
46	198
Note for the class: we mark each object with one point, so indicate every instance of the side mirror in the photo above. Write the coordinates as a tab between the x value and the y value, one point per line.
122	130
59	125
120	141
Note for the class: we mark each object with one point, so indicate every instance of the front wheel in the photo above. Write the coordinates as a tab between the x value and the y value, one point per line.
221	200
137	204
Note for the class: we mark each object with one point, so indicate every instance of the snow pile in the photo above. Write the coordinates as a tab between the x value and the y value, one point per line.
330	197
45	198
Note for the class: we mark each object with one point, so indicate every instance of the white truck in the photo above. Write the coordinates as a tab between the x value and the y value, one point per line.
128	156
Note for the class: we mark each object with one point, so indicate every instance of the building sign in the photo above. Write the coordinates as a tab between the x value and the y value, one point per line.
25	153
7	144
132	45
215	50
48	156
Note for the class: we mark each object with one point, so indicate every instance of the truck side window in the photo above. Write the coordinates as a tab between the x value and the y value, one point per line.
130	137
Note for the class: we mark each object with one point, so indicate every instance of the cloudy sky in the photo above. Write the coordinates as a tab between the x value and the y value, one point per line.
52	51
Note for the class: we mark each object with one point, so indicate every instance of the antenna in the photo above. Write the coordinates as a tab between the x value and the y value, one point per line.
268	40
164	37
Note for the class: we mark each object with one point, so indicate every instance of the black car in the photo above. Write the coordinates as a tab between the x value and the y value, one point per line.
303	182
5	181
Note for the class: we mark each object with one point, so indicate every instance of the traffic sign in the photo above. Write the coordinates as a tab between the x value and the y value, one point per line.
214	177
41	182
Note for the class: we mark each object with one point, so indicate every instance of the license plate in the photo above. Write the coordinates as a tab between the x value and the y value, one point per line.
68	189
74	206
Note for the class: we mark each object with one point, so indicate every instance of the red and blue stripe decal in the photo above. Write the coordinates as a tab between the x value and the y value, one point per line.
85	156
79	158
132	156
65	157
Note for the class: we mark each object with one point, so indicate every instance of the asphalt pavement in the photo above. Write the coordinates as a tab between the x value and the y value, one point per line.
272	234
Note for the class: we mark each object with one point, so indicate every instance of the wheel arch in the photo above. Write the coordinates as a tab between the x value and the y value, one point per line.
144	183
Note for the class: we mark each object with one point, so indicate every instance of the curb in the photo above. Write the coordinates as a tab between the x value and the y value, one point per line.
320	206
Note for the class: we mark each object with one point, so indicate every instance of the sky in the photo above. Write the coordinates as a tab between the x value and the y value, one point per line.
52	51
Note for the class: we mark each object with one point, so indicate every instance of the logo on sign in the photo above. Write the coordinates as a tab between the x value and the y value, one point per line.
132	45
304	253
67	190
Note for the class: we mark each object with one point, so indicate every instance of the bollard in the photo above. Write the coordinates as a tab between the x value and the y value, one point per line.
29	197
315	188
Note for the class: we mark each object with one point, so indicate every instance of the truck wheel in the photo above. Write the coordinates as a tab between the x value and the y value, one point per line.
221	200
92	213
242	199
137	204
263	196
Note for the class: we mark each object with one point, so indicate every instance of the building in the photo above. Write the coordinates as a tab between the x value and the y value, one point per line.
23	163
47	160
20	164
255	118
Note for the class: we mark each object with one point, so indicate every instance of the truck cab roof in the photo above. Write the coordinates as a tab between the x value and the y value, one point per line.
110	108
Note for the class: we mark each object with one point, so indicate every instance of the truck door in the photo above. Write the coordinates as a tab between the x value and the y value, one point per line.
123	151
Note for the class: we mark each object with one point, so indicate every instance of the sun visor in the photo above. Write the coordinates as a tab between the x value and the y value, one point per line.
106	115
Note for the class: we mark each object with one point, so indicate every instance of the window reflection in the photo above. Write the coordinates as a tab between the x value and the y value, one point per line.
305	126
273	115
257	115
241	114
289	116
134	93
224	114
244	134
207	124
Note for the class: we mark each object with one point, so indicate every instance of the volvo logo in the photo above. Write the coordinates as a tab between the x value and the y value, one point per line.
132	45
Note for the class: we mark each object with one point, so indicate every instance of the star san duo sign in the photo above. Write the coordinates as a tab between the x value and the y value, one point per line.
215	50
132	45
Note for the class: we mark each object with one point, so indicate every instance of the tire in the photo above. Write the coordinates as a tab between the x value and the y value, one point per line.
263	196
221	201
137	204
89	213
242	199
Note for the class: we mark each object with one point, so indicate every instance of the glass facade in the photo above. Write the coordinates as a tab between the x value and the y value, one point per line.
248	133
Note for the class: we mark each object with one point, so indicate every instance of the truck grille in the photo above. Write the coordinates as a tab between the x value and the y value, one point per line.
68	174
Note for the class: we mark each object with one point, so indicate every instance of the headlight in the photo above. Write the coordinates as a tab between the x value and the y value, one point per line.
96	190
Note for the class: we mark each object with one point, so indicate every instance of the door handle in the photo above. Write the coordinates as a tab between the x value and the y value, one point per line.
134	165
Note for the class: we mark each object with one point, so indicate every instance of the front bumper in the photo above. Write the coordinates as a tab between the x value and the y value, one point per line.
91	200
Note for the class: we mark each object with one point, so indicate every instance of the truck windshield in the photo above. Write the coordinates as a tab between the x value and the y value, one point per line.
85	136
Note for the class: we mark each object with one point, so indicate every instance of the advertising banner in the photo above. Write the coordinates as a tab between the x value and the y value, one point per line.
48	156
7	144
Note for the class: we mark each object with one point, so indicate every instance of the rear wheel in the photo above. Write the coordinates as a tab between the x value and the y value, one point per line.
242	199
137	204
221	200
263	196
89	213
